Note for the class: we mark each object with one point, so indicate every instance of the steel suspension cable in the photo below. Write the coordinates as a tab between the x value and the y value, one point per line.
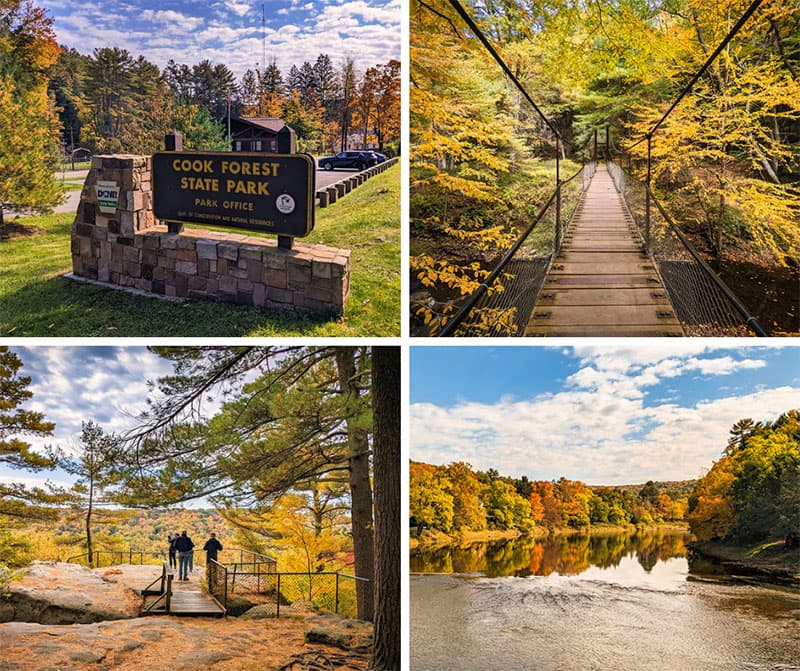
479	34
731	34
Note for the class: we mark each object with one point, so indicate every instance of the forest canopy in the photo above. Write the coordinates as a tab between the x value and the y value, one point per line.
455	499
752	493
725	162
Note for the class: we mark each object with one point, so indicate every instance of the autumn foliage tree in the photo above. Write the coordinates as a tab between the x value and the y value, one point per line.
455	499
29	127
752	492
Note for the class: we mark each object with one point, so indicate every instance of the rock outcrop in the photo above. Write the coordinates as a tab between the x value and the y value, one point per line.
58	593
342	632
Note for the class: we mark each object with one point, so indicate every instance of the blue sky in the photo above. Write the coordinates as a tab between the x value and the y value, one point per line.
74	384
230	31
604	415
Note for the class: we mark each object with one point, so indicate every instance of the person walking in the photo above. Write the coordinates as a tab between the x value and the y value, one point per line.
184	546
173	559
212	547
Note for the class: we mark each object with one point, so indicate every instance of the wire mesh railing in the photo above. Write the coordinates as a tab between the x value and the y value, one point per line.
217	581
703	303
101	558
502	304
271	594
238	558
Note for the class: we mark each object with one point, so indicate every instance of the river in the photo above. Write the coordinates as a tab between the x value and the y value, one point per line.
594	603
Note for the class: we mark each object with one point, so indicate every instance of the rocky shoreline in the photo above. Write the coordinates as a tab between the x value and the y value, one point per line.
778	568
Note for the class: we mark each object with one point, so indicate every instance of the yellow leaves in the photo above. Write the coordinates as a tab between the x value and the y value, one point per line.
430	273
486	239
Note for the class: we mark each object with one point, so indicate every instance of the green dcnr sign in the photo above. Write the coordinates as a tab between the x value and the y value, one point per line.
273	193
107	196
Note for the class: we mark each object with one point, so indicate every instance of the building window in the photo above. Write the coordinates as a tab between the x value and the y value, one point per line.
238	146
257	145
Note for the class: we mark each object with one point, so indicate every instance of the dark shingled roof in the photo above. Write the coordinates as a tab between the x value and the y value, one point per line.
270	123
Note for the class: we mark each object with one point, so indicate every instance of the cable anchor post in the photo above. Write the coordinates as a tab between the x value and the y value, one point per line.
558	232
647	200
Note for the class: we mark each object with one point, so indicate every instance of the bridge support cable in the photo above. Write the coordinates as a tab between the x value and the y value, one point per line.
684	91
703	303
526	276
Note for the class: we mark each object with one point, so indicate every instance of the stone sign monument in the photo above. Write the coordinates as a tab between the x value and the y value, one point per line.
118	240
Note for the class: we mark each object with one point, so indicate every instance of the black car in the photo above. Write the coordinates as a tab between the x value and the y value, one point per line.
360	160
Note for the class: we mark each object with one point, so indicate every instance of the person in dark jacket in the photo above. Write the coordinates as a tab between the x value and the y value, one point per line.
185	547
211	547
173	557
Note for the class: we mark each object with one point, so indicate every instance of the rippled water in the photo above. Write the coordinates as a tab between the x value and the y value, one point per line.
627	615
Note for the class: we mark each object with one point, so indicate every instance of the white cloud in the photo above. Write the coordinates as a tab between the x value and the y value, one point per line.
600	427
238	7
231	32
170	20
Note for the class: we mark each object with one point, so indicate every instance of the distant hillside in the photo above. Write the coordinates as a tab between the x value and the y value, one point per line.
676	489
144	530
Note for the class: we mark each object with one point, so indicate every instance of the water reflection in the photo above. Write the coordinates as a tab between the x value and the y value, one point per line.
564	555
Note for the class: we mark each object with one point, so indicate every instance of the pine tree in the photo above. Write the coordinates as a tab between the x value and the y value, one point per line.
17	502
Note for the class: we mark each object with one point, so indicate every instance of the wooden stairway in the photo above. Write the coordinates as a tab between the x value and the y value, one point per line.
176	597
601	283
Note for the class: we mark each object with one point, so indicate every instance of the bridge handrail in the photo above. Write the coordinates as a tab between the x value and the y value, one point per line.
750	320
164	592
450	327
476	295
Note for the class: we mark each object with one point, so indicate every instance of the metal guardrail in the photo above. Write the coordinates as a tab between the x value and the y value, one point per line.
290	592
248	558
99	558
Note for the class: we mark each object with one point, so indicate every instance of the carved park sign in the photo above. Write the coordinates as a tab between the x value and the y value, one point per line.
259	192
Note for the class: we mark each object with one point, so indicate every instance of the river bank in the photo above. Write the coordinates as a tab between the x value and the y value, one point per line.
433	539
769	562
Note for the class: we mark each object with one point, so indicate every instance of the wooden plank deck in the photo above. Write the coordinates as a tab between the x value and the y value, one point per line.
602	283
188	599
190	602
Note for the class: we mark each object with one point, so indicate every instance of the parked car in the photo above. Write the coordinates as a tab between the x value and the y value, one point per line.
381	157
360	160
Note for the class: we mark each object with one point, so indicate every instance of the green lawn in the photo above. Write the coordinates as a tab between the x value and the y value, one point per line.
36	301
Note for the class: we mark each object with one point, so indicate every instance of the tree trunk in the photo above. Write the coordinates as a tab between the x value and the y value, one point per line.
89	523
360	490
2	224
386	446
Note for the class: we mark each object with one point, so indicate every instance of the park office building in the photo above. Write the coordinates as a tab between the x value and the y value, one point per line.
266	135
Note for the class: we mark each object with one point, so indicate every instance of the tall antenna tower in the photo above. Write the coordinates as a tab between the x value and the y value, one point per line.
263	39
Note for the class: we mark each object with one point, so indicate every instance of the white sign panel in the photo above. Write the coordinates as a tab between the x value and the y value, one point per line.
107	196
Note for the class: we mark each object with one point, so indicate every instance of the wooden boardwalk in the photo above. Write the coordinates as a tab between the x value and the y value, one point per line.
602	283
194	602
